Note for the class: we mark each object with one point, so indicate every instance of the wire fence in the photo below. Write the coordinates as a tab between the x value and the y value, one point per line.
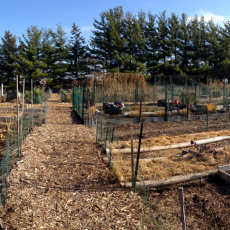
143	100
78	101
149	92
14	141
210	100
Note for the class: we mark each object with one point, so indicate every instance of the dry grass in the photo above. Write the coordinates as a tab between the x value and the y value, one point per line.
168	164
160	113
170	140
93	109
135	114
173	166
144	108
184	112
209	107
121	78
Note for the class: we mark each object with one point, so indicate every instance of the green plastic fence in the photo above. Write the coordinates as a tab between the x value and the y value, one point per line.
154	91
78	101
14	142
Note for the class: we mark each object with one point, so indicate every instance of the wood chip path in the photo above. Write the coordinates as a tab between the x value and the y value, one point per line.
62	183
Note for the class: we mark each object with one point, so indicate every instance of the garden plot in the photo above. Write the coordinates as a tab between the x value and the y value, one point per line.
158	129
136	117
206	204
168	140
170	166
166	162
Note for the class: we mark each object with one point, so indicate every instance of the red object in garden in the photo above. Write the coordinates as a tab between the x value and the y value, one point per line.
176	102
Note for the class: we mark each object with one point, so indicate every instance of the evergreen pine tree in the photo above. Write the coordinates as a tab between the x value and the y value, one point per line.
77	51
7	49
60	53
184	44
28	60
151	43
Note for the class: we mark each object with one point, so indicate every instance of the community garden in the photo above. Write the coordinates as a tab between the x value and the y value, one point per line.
77	164
165	136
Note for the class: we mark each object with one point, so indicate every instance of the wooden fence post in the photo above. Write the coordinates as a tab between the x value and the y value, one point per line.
181	196
132	162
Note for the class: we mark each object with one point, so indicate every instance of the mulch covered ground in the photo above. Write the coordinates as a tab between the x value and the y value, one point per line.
62	183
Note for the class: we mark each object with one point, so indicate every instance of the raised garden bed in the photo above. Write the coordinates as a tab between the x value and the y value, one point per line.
157	129
168	166
123	120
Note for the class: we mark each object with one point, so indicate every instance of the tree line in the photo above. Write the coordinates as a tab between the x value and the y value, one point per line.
123	42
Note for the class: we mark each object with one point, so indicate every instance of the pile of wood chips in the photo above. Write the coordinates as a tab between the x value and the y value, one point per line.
61	182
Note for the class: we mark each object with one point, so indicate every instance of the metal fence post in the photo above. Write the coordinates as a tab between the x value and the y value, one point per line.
166	101
224	93
83	100
195	93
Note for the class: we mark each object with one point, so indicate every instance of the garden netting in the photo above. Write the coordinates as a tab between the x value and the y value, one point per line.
14	138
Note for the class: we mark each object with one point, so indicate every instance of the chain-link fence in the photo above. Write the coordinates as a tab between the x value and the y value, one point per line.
210	100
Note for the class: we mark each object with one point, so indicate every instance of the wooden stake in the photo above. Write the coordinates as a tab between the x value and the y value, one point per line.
101	113
2	92
23	92
168	110
132	162
32	102
181	196
89	113
97	127
18	118
140	110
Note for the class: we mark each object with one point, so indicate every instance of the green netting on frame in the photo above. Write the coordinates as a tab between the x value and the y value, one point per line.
78	101
14	141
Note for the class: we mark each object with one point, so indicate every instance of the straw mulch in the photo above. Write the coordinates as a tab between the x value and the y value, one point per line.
171	165
61	182
166	163
170	140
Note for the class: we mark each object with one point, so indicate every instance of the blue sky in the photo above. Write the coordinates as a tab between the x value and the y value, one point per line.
18	15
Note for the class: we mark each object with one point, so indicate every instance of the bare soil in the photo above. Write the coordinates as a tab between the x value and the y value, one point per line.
156	129
207	205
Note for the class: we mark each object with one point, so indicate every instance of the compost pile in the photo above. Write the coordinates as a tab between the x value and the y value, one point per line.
61	182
